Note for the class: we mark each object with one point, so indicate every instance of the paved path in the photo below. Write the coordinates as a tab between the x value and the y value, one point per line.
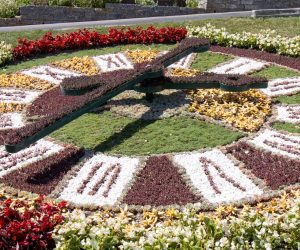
133	21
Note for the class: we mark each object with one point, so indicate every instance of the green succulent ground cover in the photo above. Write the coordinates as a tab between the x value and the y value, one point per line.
274	71
289	127
109	133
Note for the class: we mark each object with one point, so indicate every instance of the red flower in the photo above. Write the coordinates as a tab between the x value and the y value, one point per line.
82	39
21	228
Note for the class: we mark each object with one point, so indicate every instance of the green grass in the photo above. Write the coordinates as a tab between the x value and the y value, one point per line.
274	71
45	60
293	99
208	60
109	133
289	127
289	26
203	62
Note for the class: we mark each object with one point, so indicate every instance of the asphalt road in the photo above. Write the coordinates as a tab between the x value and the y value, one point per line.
124	22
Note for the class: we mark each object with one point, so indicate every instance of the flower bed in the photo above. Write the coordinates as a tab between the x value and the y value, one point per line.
22	81
6	54
247	110
239	66
283	86
28	224
265	40
274	169
249	171
83	39
159	184
288	113
59	111
35	153
266	226
10	120
42	175
290	62
85	65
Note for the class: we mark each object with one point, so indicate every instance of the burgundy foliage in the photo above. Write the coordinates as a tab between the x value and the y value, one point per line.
226	79
43	176
287	61
159	183
275	170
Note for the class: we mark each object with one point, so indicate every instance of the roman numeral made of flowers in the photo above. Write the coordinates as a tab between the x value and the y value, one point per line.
207	163
216	182
113	62
96	90
50	74
101	180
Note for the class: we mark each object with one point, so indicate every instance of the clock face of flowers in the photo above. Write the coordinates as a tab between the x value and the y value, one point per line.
258	166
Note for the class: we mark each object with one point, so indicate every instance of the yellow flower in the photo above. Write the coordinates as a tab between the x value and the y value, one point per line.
18	80
11	107
139	56
85	65
246	110
171	213
184	72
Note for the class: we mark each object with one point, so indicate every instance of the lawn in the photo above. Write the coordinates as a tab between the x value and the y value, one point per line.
232	24
109	133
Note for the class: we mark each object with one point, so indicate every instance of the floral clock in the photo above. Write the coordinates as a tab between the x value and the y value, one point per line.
257	167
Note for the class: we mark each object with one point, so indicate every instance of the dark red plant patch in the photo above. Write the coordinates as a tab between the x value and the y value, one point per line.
226	79
22	227
275	170
159	183
287	61
43	176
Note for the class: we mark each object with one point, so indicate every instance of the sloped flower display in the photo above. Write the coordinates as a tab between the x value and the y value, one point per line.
143	198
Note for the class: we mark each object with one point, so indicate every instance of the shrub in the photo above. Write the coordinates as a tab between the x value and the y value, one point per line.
5	53
9	8
192	3
146	2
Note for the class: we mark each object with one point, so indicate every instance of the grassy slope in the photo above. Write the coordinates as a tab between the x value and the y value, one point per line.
45	60
107	132
232	24
120	135
276	72
289	127
208	60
